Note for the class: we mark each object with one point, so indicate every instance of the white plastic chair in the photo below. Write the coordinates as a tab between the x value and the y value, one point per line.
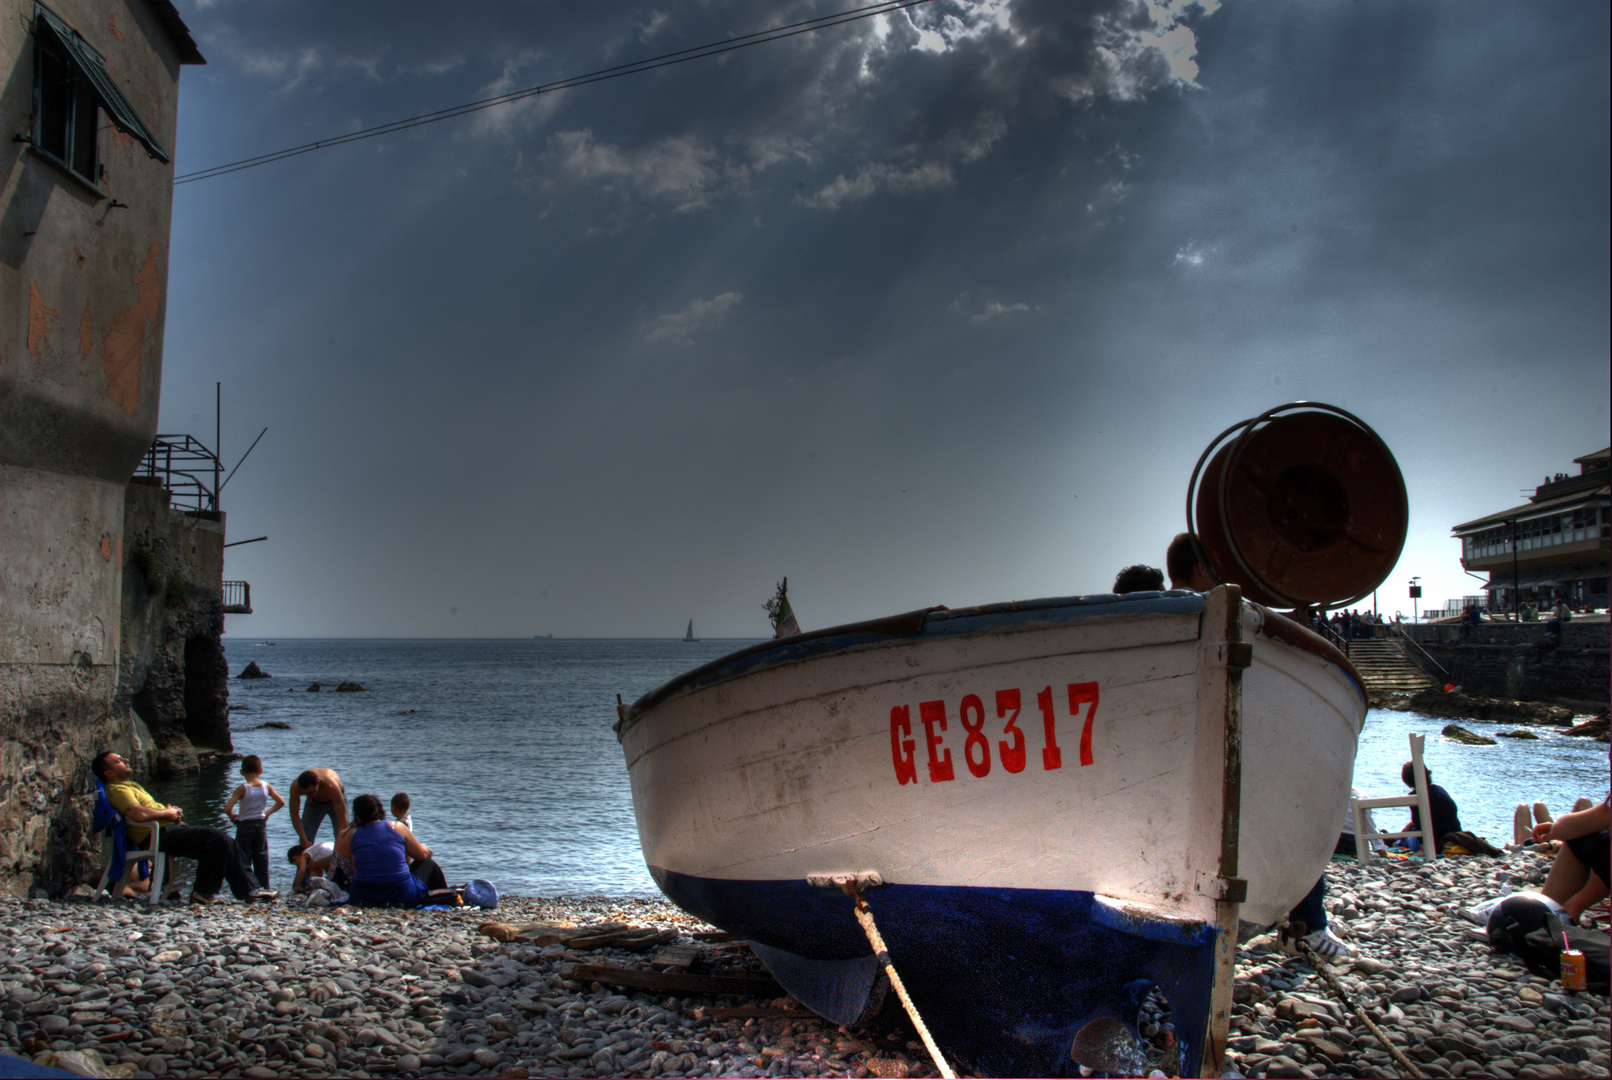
112	824
1364	836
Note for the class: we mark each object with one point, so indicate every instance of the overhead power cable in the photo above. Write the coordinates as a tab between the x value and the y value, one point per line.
681	56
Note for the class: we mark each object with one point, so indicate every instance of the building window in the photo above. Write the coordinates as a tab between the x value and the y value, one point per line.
72	90
66	110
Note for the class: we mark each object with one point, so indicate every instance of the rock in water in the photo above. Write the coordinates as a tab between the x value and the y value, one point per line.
1595	726
349	688
1520	733
314	688
1457	733
252	671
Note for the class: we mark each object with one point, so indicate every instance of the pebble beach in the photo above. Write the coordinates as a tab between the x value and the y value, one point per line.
281	989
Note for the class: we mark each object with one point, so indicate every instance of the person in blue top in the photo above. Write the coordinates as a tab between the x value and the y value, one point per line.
382	852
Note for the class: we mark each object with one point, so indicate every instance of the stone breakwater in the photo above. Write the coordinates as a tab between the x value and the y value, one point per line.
278	990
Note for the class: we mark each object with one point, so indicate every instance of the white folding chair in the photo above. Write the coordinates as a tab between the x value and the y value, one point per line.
112	823
1364	836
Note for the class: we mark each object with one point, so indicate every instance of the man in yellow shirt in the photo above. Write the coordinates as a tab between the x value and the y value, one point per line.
218	859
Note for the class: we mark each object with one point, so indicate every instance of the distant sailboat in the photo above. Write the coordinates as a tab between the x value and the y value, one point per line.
691	636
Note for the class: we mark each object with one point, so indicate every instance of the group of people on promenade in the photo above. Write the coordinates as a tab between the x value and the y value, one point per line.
372	861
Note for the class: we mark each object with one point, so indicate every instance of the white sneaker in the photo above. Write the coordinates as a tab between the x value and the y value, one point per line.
1326	945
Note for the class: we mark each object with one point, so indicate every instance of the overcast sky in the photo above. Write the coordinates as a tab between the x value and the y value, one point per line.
937	308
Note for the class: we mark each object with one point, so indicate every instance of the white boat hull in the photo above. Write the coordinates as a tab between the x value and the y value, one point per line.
1061	749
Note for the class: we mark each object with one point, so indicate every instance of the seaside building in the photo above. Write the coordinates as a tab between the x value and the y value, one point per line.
90	115
1553	547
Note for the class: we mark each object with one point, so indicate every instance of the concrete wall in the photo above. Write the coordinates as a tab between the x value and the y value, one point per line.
172	672
1521	660
82	294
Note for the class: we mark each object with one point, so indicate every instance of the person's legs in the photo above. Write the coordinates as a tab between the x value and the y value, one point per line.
1567	876
218	859
313	815
1593	853
253	839
1593	892
1522	826
1582	803
1310	911
208	847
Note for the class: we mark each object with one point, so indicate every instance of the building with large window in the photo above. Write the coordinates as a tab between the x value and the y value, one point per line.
1553	547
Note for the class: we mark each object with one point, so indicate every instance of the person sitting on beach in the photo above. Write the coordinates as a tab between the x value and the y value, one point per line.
1186	572
1139	578
1346	838
1522	824
218	858
1446	817
326	798
381	851
1579	876
400	810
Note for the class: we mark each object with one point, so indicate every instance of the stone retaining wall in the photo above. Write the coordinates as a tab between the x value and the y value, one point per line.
1522	661
172	672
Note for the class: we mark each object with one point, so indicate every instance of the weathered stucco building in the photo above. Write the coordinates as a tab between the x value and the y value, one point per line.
90	108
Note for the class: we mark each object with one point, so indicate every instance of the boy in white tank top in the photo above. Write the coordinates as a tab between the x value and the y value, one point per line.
252	816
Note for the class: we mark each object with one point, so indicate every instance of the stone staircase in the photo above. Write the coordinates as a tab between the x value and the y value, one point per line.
1385	667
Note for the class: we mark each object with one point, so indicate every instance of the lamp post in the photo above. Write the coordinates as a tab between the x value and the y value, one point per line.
1415	598
1516	586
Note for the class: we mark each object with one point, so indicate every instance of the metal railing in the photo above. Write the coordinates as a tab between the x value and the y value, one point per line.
237	597
187	468
1324	628
1400	633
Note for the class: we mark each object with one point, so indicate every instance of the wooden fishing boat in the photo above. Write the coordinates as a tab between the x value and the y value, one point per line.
1049	807
1047	794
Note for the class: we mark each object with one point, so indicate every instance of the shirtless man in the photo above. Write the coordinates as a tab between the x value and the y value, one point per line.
326	798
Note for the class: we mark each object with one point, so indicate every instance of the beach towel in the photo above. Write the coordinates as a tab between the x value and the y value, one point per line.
1465	843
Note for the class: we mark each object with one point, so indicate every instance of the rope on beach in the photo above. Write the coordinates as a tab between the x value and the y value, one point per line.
1343	996
864	915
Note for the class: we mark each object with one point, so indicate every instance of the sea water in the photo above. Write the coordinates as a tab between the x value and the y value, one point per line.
506	750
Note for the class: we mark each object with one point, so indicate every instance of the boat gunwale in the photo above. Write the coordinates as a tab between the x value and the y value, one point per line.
984	618
935	621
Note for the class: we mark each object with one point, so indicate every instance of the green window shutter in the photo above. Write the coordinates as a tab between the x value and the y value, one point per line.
93	71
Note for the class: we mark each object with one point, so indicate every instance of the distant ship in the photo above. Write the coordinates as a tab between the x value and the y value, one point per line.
691	635
542	637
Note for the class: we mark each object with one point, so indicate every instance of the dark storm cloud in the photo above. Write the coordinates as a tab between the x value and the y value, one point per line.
893	104
939	310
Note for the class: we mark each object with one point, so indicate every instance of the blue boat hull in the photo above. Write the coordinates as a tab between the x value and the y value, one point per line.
1010	976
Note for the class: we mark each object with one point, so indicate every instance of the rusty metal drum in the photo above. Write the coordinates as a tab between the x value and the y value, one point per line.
1303	505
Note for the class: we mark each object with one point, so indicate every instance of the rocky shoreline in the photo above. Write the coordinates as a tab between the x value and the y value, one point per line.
122	989
1457	704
